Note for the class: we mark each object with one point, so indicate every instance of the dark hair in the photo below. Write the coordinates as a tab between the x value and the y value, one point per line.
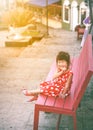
63	56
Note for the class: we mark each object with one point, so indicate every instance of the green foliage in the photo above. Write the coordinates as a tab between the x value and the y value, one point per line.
18	17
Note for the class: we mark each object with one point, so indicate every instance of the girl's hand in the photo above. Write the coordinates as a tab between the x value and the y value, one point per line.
61	95
66	90
58	73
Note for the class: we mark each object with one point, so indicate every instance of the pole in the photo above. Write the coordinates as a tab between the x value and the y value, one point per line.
91	16
47	17
91	10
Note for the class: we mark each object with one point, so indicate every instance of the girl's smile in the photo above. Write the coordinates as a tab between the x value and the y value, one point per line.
62	65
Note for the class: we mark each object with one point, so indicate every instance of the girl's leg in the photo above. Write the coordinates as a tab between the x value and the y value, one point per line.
31	92
33	98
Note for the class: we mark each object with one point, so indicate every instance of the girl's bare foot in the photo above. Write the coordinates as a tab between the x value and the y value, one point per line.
32	99
27	93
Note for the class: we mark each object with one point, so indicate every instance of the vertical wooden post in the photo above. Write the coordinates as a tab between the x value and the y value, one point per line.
47	17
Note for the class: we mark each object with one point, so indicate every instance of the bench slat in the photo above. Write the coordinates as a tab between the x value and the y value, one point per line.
81	90
84	71
68	103
50	101
41	99
59	103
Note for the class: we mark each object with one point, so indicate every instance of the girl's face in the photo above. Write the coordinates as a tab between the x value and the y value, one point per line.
62	65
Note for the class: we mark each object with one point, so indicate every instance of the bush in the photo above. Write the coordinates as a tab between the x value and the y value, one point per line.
18	17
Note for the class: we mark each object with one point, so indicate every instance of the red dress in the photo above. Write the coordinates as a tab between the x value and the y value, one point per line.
54	87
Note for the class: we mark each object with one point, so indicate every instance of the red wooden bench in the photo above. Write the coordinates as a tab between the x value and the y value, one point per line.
82	68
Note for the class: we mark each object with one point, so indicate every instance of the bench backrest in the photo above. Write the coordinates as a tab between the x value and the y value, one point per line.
83	70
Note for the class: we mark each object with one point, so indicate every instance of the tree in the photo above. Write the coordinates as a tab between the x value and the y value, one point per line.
18	17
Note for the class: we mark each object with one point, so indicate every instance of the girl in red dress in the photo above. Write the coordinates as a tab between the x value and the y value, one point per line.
61	82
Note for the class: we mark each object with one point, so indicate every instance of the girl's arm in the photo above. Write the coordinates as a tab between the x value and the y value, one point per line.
68	84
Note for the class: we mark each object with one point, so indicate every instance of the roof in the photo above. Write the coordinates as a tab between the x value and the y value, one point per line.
42	3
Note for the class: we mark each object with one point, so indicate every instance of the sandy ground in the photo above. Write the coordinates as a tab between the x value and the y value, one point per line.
26	67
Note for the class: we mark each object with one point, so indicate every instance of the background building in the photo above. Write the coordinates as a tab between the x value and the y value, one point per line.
73	13
69	13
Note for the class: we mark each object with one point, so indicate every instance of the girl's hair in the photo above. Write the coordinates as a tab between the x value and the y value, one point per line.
63	56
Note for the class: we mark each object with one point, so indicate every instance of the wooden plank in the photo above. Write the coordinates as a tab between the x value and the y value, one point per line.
68	103
81	90
41	99
50	101
59	103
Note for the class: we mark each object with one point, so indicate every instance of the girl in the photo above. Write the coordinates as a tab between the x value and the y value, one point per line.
60	83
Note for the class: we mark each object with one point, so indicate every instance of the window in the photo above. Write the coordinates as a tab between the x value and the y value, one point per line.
83	14
66	11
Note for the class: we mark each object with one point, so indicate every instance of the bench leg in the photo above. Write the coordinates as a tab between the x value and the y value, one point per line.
36	119
58	122
74	121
